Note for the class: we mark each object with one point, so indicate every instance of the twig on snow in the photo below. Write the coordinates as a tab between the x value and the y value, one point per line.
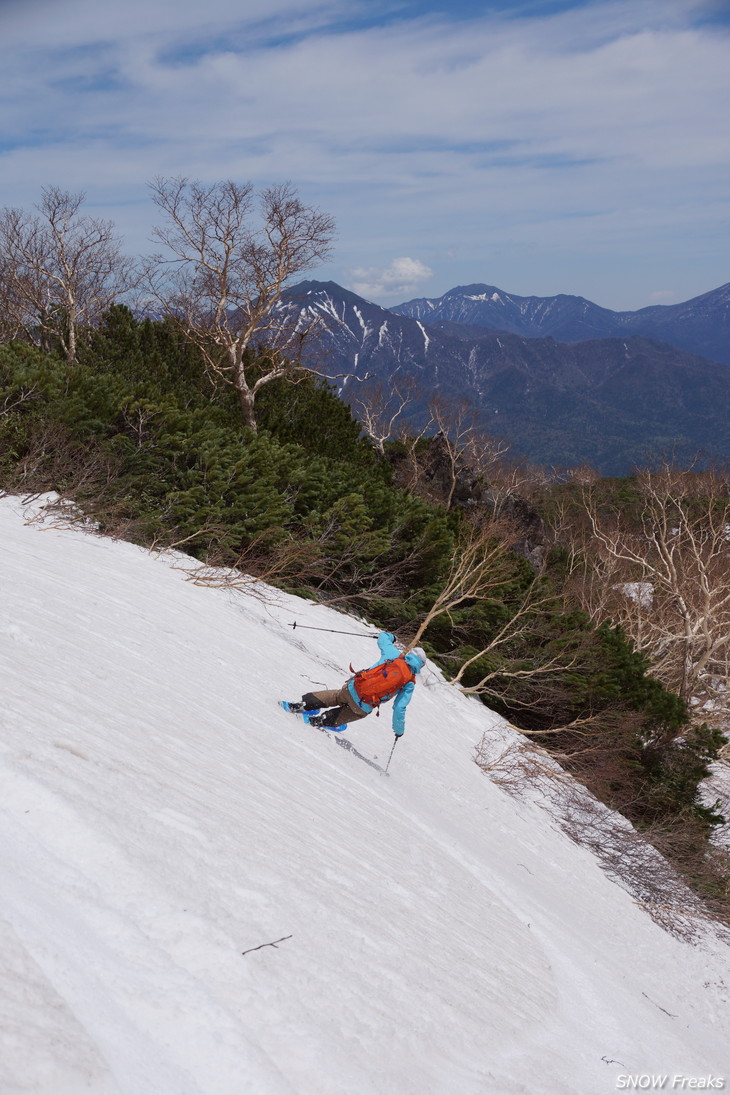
262	945
660	1007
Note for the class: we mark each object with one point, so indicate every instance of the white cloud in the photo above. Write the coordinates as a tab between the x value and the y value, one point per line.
659	296
80	23
571	153
400	277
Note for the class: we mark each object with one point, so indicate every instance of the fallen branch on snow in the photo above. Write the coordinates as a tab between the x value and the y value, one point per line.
262	945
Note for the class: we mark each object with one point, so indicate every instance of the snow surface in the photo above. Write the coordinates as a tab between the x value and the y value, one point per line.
642	593
715	792
161	815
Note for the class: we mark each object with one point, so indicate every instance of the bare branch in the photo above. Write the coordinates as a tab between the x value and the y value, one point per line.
24	395
481	568
378	408
275	944
225	269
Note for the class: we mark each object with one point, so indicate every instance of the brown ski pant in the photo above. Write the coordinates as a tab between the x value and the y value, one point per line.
340	698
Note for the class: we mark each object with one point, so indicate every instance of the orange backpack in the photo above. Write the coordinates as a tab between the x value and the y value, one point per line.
375	686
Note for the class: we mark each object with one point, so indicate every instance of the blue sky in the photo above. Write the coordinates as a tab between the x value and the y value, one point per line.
543	147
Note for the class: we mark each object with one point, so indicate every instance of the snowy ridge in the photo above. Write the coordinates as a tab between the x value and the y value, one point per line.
580	385
700	325
160	816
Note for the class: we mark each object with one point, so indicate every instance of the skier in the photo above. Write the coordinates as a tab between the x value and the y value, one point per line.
393	677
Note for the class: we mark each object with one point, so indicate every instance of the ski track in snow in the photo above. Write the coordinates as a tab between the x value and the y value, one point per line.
159	815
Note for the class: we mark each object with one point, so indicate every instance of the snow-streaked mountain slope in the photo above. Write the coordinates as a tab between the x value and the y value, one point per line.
609	402
700	325
160	815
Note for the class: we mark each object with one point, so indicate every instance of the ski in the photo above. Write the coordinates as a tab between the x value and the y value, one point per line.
360	756
333	732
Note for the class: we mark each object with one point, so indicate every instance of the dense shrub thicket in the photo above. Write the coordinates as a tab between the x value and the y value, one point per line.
140	436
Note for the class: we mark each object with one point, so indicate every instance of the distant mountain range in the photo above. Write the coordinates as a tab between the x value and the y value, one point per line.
701	325
611	401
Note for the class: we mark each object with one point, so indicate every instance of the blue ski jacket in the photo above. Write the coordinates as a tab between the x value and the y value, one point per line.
388	651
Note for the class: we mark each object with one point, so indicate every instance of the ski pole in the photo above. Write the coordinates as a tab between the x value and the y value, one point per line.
391	755
357	634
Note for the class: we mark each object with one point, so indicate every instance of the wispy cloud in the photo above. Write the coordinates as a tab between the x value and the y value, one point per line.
579	150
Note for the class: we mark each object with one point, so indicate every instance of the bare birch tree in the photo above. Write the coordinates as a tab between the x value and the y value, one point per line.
458	451
59	271
666	580
229	257
483	571
464	445
481	568
378	408
518	630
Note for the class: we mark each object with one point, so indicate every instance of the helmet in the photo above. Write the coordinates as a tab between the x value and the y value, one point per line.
416	659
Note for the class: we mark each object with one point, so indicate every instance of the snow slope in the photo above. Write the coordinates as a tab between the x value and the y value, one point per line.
160	816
